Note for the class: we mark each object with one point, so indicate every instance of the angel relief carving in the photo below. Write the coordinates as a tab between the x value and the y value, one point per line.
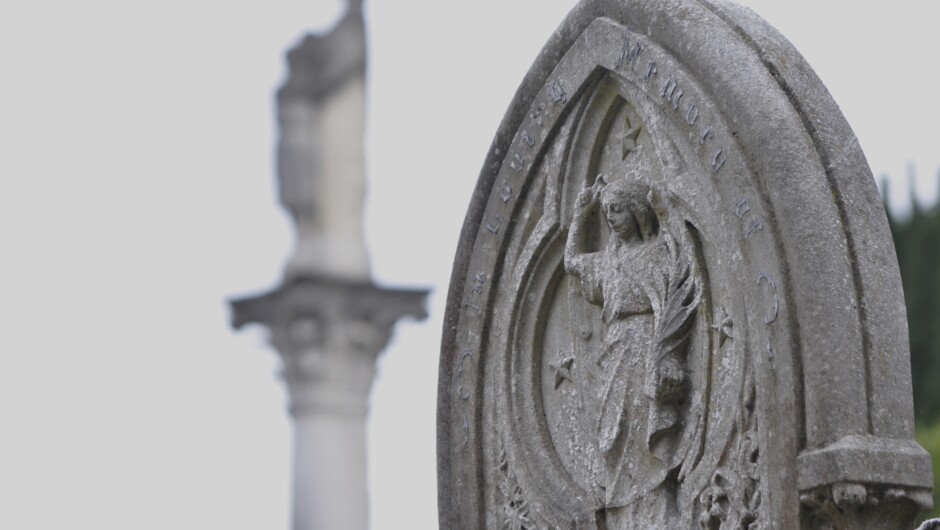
643	388
645	284
637	357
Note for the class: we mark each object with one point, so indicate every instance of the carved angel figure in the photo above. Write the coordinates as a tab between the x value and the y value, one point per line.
648	295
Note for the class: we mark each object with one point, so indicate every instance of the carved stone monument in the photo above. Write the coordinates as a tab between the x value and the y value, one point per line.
327	319
675	302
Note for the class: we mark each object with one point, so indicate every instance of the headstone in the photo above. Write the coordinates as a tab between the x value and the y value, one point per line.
675	301
327	319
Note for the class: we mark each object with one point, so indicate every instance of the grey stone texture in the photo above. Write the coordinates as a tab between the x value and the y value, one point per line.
675	301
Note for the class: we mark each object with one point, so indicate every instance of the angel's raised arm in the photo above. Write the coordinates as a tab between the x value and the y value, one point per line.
586	203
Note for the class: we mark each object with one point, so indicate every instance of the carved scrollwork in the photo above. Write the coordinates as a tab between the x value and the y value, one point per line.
850	506
714	503
510	497
733	498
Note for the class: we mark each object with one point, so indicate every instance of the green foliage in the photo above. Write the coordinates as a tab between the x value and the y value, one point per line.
929	439
917	240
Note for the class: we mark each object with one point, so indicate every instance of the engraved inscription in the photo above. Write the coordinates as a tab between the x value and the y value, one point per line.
517	162
775	307
651	70
742	208
557	92
718	160
691	115
479	279
668	88
462	392
493	226
527	138
671	92
706	134
505	191
755	225
476	287
629	54
537	115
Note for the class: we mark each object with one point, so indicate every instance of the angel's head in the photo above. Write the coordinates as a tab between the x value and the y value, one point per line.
626	206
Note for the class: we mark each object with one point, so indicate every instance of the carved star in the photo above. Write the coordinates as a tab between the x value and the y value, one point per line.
562	368
724	327
629	140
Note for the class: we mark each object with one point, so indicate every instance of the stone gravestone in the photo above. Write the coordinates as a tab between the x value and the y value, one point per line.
675	302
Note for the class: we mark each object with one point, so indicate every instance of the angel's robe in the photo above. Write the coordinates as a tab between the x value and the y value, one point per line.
625	280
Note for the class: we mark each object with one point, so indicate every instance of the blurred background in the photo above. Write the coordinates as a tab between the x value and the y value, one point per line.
137	194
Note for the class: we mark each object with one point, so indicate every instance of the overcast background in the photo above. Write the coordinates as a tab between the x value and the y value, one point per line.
138	195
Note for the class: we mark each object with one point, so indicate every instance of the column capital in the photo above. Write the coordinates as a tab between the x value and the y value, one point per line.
329	333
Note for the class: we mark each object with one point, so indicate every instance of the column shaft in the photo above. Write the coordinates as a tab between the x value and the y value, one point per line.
330	491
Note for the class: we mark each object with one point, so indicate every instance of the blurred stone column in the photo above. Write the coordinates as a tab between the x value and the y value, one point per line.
327	319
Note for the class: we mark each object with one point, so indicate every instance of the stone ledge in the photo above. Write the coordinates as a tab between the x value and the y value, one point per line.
313	294
866	460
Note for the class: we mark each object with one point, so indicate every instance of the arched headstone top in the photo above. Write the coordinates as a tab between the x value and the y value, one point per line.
675	301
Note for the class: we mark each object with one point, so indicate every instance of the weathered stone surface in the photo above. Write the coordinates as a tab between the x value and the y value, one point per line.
675	302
